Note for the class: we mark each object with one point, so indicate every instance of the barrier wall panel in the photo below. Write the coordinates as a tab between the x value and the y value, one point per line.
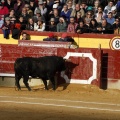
9	68
8	59
38	51
111	63
9	53
85	67
10	49
110	71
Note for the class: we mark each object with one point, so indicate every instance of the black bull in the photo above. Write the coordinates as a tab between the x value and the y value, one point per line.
42	67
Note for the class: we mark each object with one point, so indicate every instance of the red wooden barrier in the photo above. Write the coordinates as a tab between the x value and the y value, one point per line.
110	68
84	68
9	53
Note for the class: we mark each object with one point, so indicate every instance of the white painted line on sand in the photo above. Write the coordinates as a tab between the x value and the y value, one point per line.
62	105
59	100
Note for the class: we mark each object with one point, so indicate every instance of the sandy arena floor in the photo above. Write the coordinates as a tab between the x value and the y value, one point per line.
75	102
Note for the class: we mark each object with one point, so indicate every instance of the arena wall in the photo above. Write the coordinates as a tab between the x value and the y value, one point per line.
84	68
110	76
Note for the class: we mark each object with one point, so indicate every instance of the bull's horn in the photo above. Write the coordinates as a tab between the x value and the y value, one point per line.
68	60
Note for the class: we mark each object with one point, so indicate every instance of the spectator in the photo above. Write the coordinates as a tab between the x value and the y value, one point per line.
42	8
99	11
62	25
51	12
110	19
73	3
18	6
50	4
99	15
78	17
72	25
66	38
50	37
1	21
39	26
88	17
63	2
84	6
105	27
29	11
13	20
96	5
16	31
114	11
33	5
116	24
25	15
82	28
70	5
77	9
30	25
38	15
65	13
45	4
118	6
55	15
9	4
3	10
48	9
108	8
6	27
91	10
103	3
93	26
20	22
25	36
11	14
52	25
54	6
57	3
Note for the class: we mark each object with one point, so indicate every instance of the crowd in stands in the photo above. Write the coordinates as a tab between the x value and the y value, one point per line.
73	16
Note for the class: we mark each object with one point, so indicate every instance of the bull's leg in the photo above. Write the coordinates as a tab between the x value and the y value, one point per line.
53	82
25	80
45	83
17	79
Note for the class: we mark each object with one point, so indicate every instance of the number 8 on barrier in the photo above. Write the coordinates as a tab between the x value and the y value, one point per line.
115	43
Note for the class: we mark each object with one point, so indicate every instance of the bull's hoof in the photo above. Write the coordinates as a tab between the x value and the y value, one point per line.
54	88
46	89
29	89
18	89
